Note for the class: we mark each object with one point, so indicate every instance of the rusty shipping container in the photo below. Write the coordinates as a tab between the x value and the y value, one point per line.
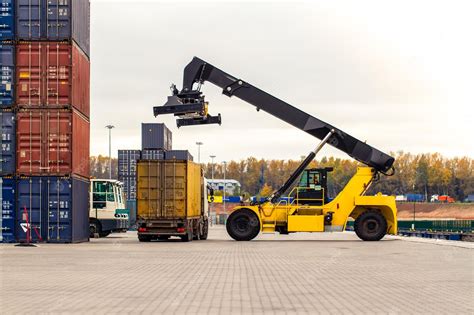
52	142
169	189
53	75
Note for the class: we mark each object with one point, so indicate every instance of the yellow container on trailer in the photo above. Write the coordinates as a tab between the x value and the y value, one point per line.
169	189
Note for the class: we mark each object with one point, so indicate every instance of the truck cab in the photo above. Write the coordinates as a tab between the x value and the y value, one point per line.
107	212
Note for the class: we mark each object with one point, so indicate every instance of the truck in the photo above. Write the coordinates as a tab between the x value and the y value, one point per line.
172	200
107	212
308	208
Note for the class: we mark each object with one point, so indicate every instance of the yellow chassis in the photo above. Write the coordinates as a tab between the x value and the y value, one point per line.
350	202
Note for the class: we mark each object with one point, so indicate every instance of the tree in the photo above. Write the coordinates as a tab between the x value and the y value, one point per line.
266	190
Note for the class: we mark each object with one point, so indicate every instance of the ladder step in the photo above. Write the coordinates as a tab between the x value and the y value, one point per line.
268	228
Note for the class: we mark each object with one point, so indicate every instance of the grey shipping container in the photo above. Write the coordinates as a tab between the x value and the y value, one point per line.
178	155
127	162
129	186
57	209
132	206
54	20
156	136
149	154
8	136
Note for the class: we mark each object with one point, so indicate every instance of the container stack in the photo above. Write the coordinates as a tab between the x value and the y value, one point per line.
156	141
45	100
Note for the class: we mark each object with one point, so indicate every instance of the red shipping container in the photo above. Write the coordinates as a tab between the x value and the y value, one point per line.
52	74
52	142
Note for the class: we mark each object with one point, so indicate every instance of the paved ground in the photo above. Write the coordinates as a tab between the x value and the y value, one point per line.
300	273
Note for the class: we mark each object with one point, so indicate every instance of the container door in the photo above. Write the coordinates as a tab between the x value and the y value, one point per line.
7	18
7	217
56	67
31	209
149	200
80	210
8	152
59	194
28	19
58	16
58	151
175	190
7	72
29	148
28	74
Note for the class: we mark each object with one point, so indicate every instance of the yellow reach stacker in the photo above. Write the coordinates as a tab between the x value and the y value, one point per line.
307	207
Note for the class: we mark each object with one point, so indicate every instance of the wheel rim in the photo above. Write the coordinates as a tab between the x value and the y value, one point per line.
371	226
242	224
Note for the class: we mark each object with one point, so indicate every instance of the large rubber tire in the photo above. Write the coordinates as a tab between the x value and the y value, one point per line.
370	226
104	234
144	238
94	227
205	230
189	235
243	225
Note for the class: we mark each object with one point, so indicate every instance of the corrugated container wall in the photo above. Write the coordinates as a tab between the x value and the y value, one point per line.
156	136
7	20
129	187
178	155
52	142
7	158
57	208
168	189
7	203
127	162
149	154
7	73
54	20
52	74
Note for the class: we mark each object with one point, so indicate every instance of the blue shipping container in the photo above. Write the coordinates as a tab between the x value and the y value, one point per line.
7	157
7	75
7	20
129	187
151	154
54	20
57	207
7	201
415	197
127	162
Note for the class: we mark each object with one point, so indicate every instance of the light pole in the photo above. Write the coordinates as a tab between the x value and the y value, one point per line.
199	144
110	149
223	193
212	177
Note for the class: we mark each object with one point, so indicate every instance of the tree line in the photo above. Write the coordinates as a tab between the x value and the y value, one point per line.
425	174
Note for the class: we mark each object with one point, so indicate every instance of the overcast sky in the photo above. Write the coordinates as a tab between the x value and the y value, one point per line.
398	74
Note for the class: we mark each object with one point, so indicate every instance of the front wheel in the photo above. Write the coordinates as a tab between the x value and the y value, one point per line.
370	226
243	225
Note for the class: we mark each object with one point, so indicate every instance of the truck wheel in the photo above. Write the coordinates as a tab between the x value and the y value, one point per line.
243	225
205	230
144	238
104	234
370	226
94	227
188	237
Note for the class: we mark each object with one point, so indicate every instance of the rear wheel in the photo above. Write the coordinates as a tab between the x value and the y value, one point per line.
94	227
243	225
144	238
204	231
370	226
189	235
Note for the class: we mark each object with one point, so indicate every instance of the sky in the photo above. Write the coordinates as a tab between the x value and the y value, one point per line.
397	74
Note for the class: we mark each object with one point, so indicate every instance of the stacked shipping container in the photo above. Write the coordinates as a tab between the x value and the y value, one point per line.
44	98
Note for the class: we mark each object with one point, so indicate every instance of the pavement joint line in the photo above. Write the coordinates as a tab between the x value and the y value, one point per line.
414	239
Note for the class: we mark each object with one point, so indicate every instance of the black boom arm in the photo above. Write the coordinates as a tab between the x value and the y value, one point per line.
190	106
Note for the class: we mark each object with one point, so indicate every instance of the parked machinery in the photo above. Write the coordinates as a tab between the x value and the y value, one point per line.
309	210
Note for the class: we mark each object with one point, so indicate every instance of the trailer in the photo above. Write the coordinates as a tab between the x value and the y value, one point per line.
171	200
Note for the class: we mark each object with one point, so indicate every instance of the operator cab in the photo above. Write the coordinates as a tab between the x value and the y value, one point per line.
312	187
